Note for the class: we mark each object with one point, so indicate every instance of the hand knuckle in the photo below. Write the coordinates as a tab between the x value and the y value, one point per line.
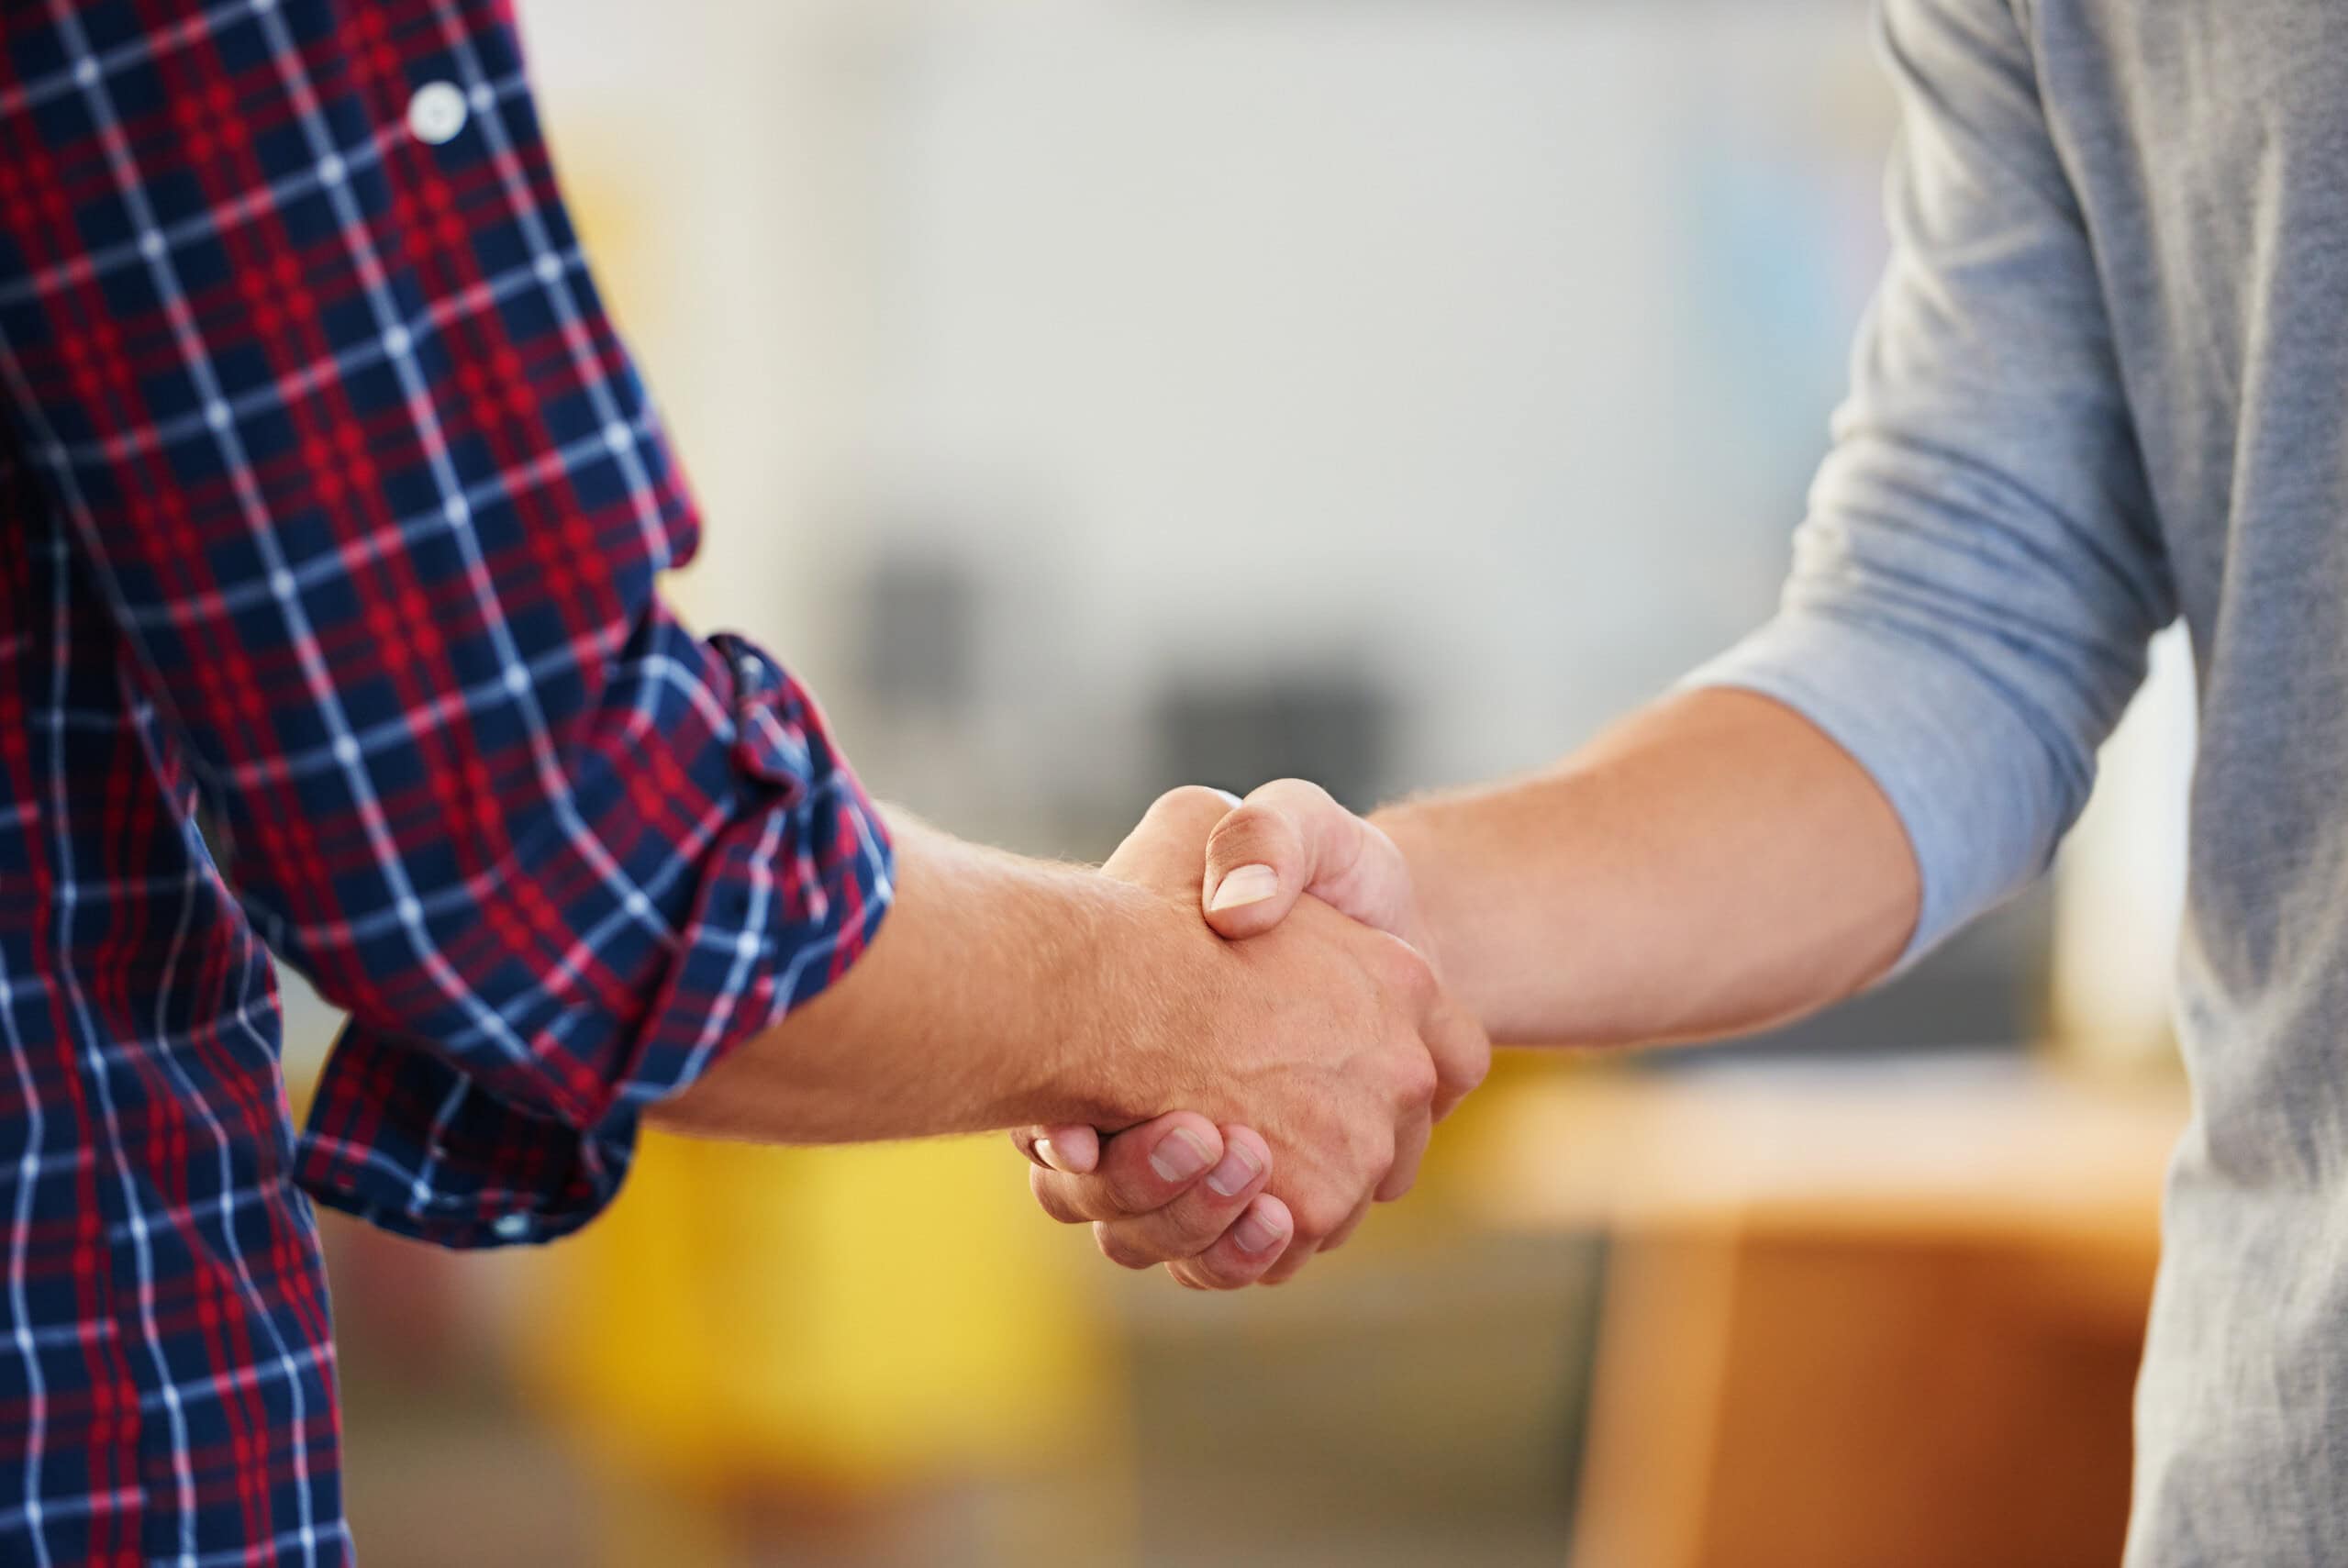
1127	1193
1191	797
1248	834
1477	1060
1479	1067
1294	792
1318	1214
1122	1250
1189	1234
1409	974
1210	1273
1053	1201
1419	1082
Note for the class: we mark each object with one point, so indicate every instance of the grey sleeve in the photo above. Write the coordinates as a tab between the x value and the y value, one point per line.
1980	570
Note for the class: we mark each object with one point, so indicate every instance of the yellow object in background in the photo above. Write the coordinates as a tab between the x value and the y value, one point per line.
854	1319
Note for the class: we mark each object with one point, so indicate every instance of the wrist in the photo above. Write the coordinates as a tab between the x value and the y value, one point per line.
1414	829
1128	1009
1000	992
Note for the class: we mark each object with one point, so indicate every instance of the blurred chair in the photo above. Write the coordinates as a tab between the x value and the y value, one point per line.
820	1335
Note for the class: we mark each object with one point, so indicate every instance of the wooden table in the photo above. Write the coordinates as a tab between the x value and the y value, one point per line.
1873	1316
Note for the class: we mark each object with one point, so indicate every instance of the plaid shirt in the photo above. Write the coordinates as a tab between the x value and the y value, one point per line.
330	500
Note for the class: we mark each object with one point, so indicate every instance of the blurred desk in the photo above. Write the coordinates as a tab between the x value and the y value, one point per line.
1881	1316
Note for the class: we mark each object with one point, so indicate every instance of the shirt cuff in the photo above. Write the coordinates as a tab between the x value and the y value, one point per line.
402	1136
1960	765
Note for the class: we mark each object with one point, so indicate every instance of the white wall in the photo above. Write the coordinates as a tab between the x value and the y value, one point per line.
1490	344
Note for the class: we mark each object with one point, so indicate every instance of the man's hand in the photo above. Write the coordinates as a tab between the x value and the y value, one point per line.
1178	1190
1004	992
1143	1190
1290	841
1318	1114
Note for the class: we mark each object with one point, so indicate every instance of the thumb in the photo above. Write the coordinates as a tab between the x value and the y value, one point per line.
1290	839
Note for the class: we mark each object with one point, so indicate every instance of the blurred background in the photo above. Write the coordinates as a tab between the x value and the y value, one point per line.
1090	396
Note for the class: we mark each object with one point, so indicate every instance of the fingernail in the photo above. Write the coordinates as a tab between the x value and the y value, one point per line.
1048	1154
1237	1169
1179	1156
1255	1234
1248	885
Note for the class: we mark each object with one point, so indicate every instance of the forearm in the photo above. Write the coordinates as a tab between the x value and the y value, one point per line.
981	1005
1712	864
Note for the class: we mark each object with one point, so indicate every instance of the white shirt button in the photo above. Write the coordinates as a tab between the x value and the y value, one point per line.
512	1227
437	113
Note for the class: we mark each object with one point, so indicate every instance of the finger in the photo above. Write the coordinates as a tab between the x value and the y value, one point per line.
1462	1050
1074	1150
1140	1170
1169	842
1243	1253
1290	839
1302	1252
1299	1254
1345	1233
1410	1148
1315	1220
1195	1220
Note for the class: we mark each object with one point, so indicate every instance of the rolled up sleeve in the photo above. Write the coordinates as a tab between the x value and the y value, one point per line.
1980	570
299	336
468	1127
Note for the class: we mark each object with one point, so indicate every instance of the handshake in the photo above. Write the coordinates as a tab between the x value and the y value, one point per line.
1321	1045
1247	999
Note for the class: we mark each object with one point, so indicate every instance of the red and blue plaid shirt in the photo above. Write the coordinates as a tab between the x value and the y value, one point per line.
330	502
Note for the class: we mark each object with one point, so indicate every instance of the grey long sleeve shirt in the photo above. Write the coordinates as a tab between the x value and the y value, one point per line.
2102	385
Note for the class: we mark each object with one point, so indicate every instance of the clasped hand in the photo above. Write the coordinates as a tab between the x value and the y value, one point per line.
1329	1049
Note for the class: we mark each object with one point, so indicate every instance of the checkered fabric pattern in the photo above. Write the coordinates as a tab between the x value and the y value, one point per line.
331	503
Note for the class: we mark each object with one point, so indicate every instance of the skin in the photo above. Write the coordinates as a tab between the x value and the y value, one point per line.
1001	991
1713	865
